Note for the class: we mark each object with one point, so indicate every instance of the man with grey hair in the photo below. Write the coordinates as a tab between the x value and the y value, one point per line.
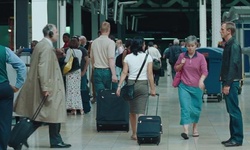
84	80
174	52
45	79
83	41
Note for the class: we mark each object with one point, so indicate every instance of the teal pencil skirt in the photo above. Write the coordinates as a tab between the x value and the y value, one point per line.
190	99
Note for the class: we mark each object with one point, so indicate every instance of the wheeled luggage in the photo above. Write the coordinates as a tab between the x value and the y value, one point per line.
112	112
149	128
21	131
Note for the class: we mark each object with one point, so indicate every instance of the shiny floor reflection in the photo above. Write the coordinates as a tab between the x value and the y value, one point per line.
80	130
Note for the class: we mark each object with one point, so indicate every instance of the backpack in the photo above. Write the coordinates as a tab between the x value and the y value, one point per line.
174	52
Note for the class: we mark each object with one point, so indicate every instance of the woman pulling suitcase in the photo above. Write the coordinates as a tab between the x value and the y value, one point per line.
138	104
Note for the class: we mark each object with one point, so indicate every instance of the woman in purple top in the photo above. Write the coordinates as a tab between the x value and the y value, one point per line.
193	67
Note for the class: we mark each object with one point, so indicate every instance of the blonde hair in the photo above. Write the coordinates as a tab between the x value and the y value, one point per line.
105	27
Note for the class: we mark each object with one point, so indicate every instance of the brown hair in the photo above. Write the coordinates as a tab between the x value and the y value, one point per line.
230	26
74	43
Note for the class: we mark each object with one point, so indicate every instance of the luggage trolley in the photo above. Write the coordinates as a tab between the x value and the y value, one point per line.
212	82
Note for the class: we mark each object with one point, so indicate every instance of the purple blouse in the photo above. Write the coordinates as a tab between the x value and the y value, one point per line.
193	68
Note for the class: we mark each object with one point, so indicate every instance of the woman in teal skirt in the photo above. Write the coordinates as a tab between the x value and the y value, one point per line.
193	67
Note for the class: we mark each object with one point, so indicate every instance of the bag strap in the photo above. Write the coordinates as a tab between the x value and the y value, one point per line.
74	55
141	67
39	108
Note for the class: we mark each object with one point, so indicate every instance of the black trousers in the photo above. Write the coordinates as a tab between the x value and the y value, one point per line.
54	131
6	109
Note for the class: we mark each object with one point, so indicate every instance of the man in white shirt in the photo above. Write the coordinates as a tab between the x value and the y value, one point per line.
155	54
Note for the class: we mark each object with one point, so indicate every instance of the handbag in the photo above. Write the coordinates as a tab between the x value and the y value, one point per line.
127	91
72	64
177	79
156	64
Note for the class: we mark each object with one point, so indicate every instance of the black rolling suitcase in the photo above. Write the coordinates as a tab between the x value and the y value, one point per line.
22	130
112	112
149	128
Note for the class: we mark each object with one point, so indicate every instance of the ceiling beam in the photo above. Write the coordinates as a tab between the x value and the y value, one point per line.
146	10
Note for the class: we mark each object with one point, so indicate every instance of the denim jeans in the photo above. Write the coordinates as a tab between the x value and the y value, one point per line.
232	105
84	82
102	79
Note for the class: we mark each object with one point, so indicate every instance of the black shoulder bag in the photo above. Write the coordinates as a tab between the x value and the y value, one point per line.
127	91
75	64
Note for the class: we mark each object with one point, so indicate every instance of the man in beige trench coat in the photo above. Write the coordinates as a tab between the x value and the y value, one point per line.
44	79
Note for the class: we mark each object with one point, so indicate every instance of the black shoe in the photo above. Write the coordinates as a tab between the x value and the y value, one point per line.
184	136
19	147
232	144
60	145
223	142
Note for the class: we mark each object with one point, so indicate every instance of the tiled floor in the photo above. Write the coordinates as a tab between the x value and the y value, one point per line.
80	131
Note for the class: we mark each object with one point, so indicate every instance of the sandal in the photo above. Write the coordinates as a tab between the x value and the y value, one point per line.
133	137
196	134
184	136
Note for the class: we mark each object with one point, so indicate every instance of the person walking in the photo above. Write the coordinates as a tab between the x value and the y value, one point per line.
174	52
141	89
45	79
231	74
7	91
193	67
155	54
103	60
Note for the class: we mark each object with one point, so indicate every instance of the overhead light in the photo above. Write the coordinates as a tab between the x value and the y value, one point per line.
9	30
149	39
168	38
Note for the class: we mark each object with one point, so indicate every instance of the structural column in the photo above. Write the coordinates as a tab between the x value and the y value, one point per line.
53	15
77	18
61	21
191	19
216	22
94	23
203	24
102	18
39	18
22	23
121	31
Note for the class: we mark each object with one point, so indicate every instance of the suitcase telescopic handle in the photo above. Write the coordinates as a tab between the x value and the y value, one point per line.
158	95
39	108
